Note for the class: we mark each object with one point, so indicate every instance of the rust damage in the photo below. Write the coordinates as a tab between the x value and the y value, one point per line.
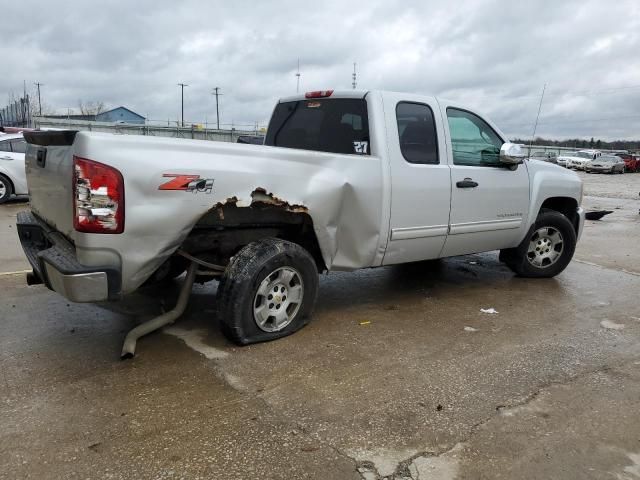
219	207
260	196
259	199
229	225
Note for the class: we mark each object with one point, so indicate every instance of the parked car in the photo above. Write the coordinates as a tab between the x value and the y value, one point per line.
564	158
12	174
605	164
545	157
631	162
582	157
345	180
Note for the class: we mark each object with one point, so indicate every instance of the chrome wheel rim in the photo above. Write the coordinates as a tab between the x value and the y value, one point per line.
278	299
3	189
545	247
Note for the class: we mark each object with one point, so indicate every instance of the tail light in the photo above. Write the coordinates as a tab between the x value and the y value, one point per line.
98	197
318	94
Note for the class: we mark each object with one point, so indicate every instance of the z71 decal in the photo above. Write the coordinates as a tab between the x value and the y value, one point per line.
187	183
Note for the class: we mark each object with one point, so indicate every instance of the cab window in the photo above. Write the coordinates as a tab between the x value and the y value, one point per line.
417	133
336	125
473	141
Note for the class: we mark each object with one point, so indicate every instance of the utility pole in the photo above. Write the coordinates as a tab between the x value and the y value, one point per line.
38	84
216	92
182	85
298	77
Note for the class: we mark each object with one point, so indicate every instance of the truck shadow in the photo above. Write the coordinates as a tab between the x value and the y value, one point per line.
471	276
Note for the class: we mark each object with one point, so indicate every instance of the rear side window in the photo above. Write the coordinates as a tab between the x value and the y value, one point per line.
19	146
417	133
336	125
4	146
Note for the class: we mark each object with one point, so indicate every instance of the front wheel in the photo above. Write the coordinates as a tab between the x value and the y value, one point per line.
268	291
547	250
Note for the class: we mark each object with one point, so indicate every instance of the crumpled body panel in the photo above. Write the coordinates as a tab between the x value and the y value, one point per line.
341	193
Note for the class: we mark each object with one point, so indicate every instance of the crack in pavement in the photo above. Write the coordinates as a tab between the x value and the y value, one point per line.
404	472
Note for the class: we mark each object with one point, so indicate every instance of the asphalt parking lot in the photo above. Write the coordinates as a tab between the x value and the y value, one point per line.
399	375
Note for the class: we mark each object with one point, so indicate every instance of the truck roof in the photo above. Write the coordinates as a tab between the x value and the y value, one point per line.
334	94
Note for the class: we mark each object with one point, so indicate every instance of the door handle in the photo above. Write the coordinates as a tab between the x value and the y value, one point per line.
466	183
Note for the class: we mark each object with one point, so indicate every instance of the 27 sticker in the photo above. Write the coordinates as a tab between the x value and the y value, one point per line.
360	147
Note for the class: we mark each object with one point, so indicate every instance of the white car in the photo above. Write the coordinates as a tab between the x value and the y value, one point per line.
13	179
582	158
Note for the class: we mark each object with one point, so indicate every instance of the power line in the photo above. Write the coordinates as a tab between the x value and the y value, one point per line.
603	91
570	122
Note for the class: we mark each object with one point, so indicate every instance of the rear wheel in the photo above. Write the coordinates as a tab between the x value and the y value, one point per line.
6	189
547	250
268	291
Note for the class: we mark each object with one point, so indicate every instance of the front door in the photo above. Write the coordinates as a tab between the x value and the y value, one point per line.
420	179
489	200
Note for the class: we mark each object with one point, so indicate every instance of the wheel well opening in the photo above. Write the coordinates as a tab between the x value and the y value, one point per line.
226	229
566	205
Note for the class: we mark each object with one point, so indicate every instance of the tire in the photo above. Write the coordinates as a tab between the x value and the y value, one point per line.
527	260
256	283
6	189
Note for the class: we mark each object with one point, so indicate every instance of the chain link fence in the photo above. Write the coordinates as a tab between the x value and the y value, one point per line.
17	113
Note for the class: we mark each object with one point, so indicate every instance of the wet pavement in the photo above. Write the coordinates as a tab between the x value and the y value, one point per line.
399	374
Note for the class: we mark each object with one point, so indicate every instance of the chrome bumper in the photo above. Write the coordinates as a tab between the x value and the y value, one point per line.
54	262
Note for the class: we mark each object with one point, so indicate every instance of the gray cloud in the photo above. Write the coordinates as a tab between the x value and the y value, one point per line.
493	55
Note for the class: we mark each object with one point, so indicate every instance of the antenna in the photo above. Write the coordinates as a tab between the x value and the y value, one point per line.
354	76
535	126
298	77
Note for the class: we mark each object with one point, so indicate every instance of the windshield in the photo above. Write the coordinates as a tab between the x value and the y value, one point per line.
328	125
585	155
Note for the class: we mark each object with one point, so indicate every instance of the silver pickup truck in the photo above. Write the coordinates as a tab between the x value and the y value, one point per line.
345	180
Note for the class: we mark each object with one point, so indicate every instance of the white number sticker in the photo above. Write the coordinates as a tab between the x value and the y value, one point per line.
360	147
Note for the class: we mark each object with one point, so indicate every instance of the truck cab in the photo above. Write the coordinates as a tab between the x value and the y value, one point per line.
345	180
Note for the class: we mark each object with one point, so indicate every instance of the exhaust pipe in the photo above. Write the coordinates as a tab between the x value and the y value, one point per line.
129	346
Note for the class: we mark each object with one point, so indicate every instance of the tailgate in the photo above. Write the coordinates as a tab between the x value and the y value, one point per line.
49	168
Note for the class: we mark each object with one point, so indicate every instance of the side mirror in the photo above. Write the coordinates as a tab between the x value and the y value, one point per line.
511	154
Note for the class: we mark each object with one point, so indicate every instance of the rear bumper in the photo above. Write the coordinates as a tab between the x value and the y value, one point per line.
54	262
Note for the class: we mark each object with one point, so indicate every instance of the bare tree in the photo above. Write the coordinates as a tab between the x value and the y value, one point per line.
91	108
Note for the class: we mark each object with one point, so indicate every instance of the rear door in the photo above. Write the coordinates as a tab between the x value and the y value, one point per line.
420	178
489	200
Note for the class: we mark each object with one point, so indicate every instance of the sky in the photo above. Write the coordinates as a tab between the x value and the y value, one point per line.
494	56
